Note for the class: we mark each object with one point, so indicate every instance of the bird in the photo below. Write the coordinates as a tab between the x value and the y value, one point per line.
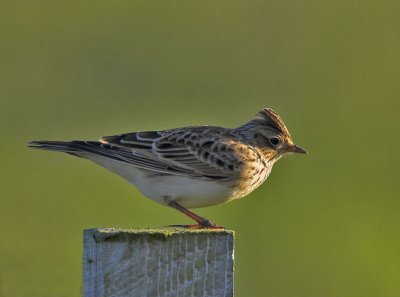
190	167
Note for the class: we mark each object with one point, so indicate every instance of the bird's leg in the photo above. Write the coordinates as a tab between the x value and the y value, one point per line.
202	222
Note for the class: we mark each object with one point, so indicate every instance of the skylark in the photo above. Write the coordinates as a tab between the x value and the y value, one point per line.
190	167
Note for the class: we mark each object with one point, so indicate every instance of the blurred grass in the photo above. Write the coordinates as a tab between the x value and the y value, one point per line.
325	224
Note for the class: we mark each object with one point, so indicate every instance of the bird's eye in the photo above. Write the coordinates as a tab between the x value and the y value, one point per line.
275	141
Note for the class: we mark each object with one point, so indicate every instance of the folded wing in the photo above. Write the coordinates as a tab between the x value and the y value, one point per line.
206	152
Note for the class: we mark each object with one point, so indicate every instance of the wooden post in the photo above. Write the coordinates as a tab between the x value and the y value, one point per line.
157	262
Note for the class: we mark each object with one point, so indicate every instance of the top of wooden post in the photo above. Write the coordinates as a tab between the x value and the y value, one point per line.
165	261
101	234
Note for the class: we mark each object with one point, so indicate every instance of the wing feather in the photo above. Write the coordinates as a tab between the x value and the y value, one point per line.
124	155
202	151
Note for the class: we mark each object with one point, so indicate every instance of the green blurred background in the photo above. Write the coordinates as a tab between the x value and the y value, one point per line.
326	224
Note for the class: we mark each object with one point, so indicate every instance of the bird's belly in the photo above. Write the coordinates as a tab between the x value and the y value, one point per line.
188	192
162	188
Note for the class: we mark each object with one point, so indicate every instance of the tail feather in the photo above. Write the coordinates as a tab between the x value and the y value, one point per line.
59	146
92	150
77	148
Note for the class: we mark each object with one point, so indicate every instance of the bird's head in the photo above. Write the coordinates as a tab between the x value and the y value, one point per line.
268	133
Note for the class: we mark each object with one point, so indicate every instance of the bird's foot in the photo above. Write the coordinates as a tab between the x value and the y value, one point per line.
200	226
202	223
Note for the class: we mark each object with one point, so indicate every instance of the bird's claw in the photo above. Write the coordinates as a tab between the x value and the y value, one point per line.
208	225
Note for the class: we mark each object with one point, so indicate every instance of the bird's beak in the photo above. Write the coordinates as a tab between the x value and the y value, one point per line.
296	149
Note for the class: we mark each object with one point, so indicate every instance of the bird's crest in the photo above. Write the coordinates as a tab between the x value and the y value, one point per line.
272	119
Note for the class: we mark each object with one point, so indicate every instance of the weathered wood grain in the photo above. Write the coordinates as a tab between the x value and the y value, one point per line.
157	262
